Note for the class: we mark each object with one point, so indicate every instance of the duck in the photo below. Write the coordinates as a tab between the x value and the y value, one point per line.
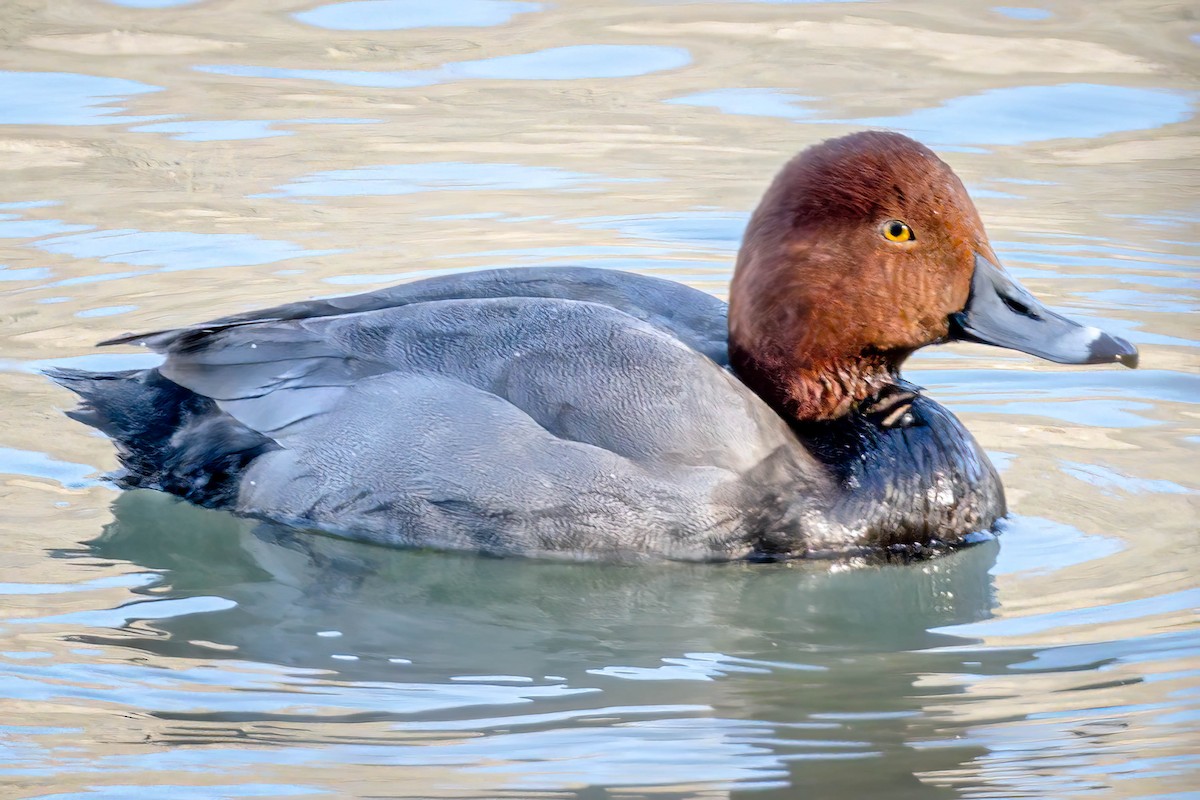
587	413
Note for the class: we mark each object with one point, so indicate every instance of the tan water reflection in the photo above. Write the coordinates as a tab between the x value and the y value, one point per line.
162	165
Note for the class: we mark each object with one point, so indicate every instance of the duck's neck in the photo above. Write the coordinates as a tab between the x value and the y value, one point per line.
813	388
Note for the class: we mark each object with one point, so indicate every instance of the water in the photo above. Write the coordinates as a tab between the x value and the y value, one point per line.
166	161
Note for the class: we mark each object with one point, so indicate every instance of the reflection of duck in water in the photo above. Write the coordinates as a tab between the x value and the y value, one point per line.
658	674
498	616
589	412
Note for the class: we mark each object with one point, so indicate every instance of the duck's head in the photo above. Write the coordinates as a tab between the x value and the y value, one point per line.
864	249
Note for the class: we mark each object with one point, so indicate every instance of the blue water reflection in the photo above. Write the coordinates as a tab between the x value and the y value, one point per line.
1086	252
430	176
215	130
1143	301
13	226
104	311
41	465
234	129
1083	398
575	62
635	753
1039	546
1185	600
24	274
1008	116
1110	481
1022	114
1022	13
720	231
256	687
175	250
65	98
387	15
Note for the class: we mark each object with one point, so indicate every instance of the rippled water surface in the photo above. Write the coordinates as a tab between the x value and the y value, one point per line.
166	161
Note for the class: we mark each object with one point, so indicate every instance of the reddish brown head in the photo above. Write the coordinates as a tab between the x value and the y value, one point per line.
863	250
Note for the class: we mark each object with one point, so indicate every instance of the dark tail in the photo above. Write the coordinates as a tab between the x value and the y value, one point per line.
167	437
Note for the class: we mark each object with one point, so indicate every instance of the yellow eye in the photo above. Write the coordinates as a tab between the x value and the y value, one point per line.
896	231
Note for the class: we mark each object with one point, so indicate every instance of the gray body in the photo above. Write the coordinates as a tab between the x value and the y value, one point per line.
556	411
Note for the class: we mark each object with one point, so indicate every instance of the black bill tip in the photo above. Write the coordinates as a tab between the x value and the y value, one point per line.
1107	349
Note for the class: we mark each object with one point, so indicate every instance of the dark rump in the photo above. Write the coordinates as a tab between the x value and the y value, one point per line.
167	437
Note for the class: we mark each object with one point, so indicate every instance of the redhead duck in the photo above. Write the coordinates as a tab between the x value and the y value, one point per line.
601	414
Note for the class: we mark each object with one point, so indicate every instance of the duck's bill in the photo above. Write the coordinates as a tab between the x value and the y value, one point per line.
1001	312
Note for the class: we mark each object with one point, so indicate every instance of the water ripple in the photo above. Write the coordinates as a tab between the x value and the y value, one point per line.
429	176
63	98
389	15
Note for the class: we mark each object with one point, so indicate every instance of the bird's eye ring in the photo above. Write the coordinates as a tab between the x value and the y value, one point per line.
896	231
